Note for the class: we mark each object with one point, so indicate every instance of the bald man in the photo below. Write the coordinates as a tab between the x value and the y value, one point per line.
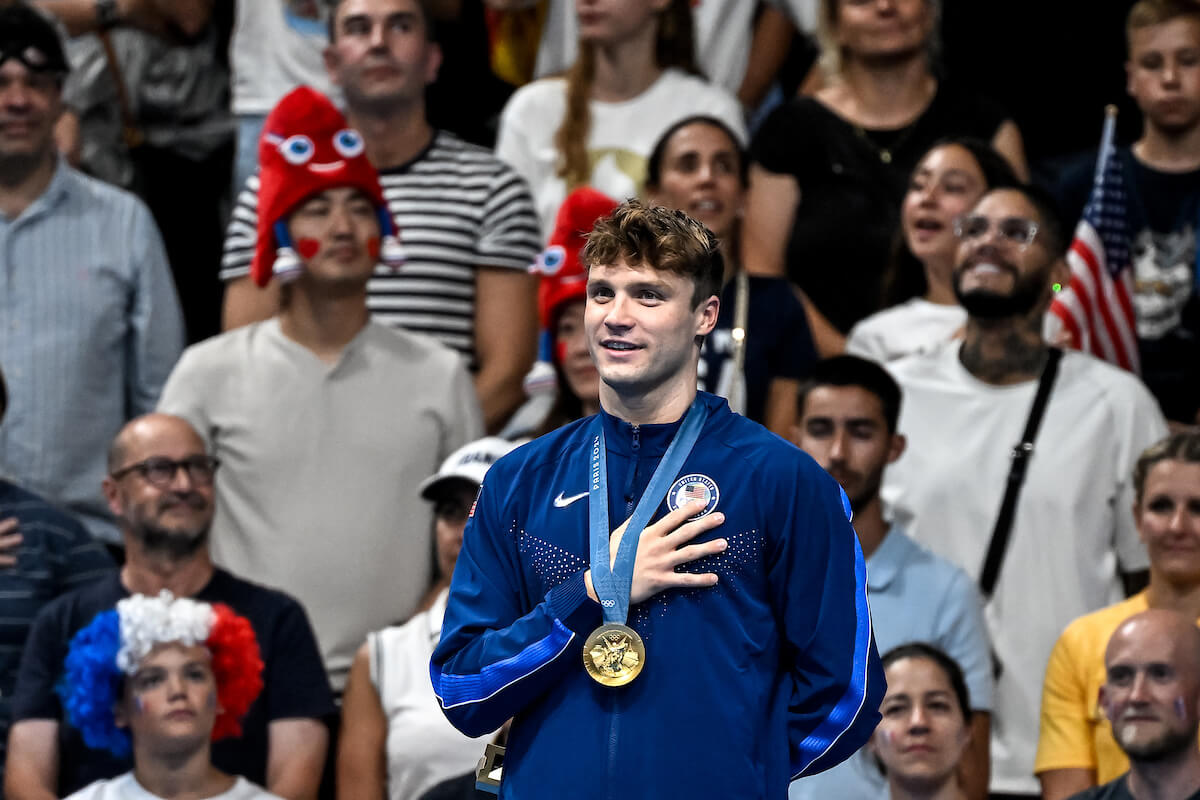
160	489
1151	695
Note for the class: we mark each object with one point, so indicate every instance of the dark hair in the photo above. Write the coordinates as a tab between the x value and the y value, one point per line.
948	665
424	8
654	164
22	26
1182	446
905	275
662	239
847	370
1051	229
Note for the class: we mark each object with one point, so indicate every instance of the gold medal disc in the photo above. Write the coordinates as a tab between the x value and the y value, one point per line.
614	655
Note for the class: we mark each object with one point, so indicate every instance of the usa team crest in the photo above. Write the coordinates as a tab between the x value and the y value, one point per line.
694	487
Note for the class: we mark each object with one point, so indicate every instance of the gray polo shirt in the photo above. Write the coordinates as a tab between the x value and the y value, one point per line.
320	463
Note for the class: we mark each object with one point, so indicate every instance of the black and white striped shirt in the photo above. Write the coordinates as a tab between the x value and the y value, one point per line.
458	208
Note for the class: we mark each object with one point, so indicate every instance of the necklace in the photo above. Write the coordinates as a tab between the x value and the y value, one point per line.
900	138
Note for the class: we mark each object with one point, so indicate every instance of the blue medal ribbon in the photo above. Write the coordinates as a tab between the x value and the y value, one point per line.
613	583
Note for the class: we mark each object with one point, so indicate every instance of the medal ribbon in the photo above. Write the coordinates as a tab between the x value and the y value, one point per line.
613	583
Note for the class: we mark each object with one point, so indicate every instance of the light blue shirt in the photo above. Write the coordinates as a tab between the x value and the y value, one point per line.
915	596
89	330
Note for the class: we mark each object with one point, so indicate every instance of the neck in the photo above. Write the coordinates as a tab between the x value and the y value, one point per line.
667	403
623	70
1004	351
589	407
322	323
1169	151
1171	778
189	776
870	526
1162	593
393	139
887	95
150	572
947	791
24	181
939	280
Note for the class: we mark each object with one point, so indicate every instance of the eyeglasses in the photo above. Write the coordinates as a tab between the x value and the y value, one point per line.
1017	230
160	472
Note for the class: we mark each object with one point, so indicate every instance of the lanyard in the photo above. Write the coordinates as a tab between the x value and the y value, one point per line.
612	583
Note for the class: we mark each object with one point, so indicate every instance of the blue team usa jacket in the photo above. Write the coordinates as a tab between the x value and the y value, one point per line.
770	675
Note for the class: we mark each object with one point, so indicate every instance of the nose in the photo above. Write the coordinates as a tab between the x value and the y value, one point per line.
378	36
918	721
175	685
1138	691
182	481
1170	72
837	447
618	317
15	94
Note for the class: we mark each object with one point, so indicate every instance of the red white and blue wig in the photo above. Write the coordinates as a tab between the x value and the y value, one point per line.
113	645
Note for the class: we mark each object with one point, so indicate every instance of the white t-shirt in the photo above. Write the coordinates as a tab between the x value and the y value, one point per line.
722	30
915	326
276	46
1073	529
126	787
423	748
620	138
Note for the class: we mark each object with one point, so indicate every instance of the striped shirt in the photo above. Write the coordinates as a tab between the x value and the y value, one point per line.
56	554
89	330
458	208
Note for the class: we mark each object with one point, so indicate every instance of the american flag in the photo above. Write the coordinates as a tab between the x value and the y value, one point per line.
1097	308
695	491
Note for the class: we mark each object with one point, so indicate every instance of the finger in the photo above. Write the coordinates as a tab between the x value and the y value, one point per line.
690	530
690	553
8	525
685	580
7	561
676	518
10	541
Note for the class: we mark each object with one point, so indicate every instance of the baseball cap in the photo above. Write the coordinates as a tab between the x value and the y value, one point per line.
468	463
28	36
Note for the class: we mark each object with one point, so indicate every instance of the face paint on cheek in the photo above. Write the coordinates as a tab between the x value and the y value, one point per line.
373	247
211	701
560	351
139	704
307	248
1180	708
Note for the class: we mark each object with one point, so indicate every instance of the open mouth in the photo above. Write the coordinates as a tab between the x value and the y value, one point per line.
618	346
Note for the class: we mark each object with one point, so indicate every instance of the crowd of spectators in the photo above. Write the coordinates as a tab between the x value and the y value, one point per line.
282	278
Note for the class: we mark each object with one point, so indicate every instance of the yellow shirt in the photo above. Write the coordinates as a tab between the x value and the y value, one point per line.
1074	731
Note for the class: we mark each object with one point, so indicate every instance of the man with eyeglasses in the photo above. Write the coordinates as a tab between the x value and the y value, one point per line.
1070	540
160	488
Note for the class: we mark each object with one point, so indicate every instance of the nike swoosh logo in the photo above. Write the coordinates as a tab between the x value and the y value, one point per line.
563	502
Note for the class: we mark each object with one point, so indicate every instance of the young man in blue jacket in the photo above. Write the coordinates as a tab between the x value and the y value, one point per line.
717	643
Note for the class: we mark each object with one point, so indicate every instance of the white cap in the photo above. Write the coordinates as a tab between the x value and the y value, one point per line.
468	463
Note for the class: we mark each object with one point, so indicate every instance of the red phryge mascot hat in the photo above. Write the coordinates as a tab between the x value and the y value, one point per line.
307	147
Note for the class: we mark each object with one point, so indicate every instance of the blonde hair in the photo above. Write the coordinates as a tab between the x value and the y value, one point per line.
830	59
1146	13
674	46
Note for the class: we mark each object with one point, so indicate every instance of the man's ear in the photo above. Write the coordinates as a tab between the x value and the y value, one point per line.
896	447
1103	699
1060	273
709	310
120	718
113	495
330	57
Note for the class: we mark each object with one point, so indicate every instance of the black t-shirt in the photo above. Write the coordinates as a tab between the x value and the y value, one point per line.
294	681
1163	212
849	197
778	342
1116	790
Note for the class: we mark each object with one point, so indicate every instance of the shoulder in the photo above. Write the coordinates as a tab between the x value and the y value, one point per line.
929	368
450	154
545	451
414	353
536	97
245	790
71	611
1114	790
244	596
212	358
970	112
104	197
104	789
1122	391
1087	636
930	570
773	461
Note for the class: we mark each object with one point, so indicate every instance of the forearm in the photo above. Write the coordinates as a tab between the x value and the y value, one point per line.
974	770
773	34
188	17
296	758
499	388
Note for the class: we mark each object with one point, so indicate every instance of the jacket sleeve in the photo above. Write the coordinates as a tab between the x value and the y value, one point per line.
818	585
496	654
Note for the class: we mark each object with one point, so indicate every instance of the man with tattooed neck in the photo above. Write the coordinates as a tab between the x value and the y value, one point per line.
1071	542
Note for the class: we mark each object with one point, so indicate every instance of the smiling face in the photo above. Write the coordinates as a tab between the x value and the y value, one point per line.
876	30
381	54
923	733
170	703
1164	73
701	176
996	275
1168	521
573	355
945	185
30	105
641	328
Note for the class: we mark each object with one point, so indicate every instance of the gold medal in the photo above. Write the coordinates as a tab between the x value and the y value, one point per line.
614	655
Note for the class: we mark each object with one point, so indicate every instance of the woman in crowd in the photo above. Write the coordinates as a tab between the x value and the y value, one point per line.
925	727
1076	749
395	742
831	169
947	182
163	677
634	76
761	347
